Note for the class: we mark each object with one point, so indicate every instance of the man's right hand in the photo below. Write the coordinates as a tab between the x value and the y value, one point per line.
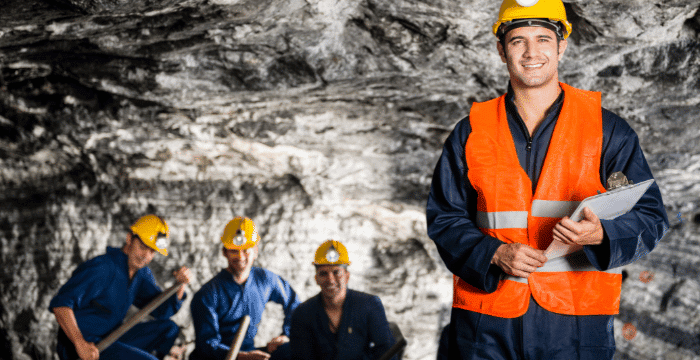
253	355
87	350
518	259
66	319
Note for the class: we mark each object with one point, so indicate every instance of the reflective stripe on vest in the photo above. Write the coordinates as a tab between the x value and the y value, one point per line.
554	209
518	219
502	220
507	209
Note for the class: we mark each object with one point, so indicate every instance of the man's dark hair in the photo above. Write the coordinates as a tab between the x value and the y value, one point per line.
344	266
503	30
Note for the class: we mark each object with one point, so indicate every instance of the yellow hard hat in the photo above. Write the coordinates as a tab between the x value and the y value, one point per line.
240	234
331	252
533	9
153	231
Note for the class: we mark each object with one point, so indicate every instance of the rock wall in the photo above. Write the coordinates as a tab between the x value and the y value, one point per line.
319	119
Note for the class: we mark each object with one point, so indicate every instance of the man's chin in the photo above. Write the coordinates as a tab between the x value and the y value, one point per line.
238	268
330	293
534	82
139	265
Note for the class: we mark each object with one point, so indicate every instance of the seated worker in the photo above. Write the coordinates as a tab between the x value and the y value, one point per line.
95	300
338	323
240	289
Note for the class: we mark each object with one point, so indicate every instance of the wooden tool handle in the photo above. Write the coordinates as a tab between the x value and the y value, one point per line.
400	344
126	326
238	340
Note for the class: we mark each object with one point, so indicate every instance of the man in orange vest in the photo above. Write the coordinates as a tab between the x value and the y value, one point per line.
508	176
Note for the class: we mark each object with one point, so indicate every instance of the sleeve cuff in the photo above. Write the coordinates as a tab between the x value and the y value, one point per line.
478	270
599	255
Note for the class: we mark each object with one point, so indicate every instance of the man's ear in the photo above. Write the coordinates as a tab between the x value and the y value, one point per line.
129	237
501	51
562	47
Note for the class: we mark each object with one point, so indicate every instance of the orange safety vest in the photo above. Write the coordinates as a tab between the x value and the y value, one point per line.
508	211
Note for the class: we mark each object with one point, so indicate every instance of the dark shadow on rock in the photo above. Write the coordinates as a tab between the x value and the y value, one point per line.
5	342
666	332
583	31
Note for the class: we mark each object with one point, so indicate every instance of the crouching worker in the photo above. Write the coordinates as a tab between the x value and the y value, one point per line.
239	290
98	295
338	323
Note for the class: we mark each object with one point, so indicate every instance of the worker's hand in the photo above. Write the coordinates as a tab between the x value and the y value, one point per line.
183	275
87	350
253	355
518	259
276	342
588	231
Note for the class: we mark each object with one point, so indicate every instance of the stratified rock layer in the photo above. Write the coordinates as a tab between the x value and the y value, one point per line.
319	119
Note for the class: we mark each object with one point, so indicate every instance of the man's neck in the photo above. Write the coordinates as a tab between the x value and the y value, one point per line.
333	304
132	271
239	277
532	102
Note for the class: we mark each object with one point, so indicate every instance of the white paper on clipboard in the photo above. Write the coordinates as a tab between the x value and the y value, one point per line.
606	206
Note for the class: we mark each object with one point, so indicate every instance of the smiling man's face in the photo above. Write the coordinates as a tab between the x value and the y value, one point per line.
240	261
333	280
532	55
139	255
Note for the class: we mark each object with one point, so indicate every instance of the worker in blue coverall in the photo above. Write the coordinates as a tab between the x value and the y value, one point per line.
338	323
98	295
532	40
240	289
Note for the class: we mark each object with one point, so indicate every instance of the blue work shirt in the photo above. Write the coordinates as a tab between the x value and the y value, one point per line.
218	307
451	208
363	332
100	294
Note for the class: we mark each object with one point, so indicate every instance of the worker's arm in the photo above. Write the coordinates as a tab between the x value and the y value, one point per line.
378	329
283	294
66	319
303	338
466	251
632	235
149	290
81	294
206	325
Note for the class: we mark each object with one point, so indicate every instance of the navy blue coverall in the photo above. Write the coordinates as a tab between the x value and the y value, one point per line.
363	332
467	252
100	294
218	307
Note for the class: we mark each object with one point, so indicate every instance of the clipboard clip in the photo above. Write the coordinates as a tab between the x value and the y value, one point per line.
617	180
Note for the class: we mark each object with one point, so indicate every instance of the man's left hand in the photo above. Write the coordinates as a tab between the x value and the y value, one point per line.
276	342
182	276
588	231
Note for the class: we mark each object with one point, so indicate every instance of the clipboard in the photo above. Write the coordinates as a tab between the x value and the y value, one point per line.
606	206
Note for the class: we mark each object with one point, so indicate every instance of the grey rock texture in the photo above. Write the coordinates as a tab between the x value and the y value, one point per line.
319	119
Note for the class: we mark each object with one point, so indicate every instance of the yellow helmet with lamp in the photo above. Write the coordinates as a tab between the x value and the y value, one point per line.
331	252
153	231
545	13
240	234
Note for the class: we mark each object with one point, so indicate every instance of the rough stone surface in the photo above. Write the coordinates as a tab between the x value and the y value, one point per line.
319	119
